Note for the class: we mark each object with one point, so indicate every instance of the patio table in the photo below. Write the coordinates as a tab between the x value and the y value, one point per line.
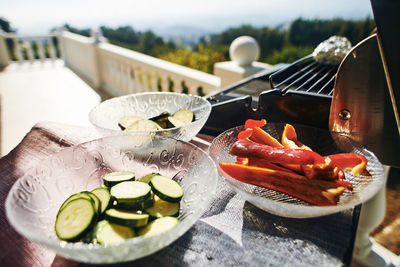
232	232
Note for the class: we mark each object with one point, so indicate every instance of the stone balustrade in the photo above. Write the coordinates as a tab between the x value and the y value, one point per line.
119	71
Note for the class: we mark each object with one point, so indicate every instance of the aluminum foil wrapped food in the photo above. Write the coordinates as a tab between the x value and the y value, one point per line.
332	50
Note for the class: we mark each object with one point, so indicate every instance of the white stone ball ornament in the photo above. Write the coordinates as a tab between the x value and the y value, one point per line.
244	50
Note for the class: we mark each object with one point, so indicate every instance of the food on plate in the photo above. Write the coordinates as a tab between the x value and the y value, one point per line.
290	166
122	209
114	178
332	50
164	120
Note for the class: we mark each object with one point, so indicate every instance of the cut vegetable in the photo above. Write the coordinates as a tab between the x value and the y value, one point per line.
161	119
146	178
75	196
75	220
104	196
181	117
158	226
143	125
131	191
127	218
126	121
135	205
162	208
166	188
107	233
113	178
96	201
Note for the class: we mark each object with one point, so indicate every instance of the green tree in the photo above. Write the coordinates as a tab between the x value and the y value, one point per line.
85	32
5	25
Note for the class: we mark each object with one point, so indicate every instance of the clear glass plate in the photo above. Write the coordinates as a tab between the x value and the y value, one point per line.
35	198
320	141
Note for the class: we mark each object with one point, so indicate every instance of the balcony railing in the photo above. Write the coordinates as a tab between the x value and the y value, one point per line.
116	70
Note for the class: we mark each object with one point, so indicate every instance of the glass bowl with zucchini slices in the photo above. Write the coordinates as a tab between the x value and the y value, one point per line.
176	115
114	199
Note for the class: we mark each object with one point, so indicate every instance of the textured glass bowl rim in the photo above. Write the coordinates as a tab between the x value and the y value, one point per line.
315	211
204	101
168	237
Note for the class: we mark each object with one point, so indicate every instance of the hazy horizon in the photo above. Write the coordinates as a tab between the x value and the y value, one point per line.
38	17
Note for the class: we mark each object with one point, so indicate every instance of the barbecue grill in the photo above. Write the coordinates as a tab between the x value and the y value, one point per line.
298	93
357	98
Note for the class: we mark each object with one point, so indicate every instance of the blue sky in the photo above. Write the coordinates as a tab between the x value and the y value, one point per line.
41	15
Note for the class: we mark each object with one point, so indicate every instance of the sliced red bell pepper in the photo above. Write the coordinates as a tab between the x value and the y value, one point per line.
289	138
254	123
263	163
254	133
243	161
245	134
352	162
247	149
262	137
321	193
324	171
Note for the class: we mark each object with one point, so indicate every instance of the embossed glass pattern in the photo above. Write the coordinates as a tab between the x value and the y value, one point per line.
35	198
106	115
320	141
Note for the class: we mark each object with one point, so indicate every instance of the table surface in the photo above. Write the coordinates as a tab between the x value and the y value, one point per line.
231	232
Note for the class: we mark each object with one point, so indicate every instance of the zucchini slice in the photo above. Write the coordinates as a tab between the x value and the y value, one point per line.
75	220
107	233
166	188
143	126
96	201
162	208
126	121
181	117
161	119
127	218
113	178
104	196
75	196
135	205
131	191
158	226
146	178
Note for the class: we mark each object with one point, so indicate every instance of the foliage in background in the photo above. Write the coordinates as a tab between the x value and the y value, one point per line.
5	25
145	42
283	44
199	59
85	32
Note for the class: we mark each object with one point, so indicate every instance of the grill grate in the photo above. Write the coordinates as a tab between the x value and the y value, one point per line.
306	75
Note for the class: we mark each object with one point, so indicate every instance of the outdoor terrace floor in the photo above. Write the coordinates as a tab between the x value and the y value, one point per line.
41	91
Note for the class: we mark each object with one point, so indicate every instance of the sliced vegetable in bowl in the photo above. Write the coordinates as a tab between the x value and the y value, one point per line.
295	173
34	200
133	207
176	115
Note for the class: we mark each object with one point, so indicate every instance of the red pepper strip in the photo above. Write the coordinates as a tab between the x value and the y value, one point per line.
262	137
332	174
247	149
352	162
321	193
289	138
245	134
322	171
243	161
254	123
263	163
